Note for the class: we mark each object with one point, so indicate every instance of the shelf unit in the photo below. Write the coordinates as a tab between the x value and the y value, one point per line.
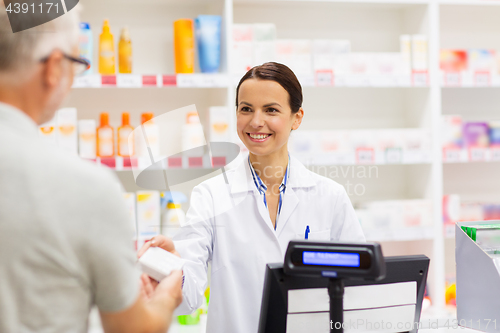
369	103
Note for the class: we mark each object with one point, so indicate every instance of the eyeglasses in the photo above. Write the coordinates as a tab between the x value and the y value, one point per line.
80	65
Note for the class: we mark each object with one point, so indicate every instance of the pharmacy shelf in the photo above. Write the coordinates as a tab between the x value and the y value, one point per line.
486	3
367	157
471	155
330	80
349	3
172	163
370	25
400	234
468	80
199	80
152	81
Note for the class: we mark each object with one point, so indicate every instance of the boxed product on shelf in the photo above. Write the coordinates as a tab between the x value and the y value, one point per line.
61	130
394	214
475	210
67	137
494	134
363	139
407	145
481	60
451	208
476	134
296	54
304	142
130	201
242	48
325	52
405	50
416	139
471	211
334	142
87	138
264	39
453	61
354	63
452	131
419	52
389	63
148	215
47	132
219	124
391	138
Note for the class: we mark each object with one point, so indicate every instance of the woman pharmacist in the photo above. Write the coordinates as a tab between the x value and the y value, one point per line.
271	199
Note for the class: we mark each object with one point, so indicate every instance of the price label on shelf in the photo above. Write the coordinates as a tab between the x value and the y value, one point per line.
403	80
482	79
449	230
365	156
420	78
393	155
477	154
357	80
169	80
452	79
324	78
128	81
195	162
108	80
214	80
218	161
149	81
188	80
87	81
174	162
495	153
451	155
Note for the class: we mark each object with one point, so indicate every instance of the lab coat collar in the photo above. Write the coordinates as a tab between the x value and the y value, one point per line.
242	180
17	120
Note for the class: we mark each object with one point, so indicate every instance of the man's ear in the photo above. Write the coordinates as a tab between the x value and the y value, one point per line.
53	69
298	119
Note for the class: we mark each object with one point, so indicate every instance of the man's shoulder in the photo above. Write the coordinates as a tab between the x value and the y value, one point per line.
39	159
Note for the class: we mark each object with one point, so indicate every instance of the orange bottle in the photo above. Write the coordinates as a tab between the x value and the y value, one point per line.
124	131
184	46
105	138
125	53
106	51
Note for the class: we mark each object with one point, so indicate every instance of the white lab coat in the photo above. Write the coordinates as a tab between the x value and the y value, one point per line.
229	225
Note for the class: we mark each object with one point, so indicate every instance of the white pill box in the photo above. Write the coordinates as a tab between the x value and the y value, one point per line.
158	263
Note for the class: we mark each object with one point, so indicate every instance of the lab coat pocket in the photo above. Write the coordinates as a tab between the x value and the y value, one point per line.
323	235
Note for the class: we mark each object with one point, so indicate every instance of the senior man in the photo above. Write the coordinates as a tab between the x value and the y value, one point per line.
65	235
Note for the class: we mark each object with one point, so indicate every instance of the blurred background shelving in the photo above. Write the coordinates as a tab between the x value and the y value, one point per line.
349	103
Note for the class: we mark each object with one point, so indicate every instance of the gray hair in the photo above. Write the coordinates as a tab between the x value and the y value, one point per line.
21	50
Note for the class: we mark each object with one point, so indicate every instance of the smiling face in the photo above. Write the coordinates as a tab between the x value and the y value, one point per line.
264	117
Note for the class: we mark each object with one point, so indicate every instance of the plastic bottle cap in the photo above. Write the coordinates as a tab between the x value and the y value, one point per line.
84	25
172	205
105	26
104	119
146	116
125	119
192	118
125	35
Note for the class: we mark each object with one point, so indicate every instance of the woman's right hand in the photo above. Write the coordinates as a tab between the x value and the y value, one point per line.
159	241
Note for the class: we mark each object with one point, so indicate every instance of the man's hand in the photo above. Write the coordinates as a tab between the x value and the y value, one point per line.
171	286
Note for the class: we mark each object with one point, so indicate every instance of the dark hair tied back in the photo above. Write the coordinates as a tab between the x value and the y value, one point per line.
281	74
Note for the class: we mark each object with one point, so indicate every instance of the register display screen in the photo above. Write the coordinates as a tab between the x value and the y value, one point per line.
331	259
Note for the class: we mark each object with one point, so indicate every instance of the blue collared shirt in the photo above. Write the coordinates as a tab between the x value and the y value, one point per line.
262	188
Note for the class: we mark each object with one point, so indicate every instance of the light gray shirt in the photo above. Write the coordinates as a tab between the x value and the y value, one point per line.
65	235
